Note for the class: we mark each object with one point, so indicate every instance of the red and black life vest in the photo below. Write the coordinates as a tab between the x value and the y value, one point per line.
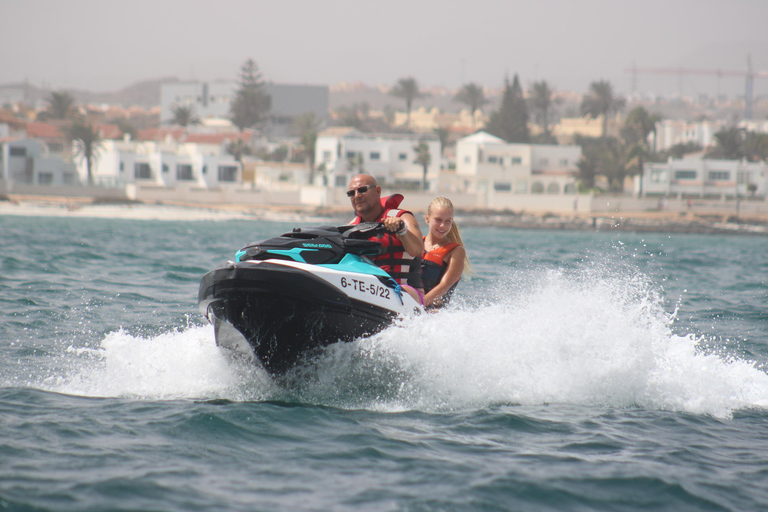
433	267
403	267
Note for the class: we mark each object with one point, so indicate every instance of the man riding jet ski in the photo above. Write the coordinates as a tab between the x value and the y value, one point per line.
284	297
402	241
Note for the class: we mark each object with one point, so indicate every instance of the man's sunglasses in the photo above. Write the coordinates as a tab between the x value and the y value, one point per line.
362	190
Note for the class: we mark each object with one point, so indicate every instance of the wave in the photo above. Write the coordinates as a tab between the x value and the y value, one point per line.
592	337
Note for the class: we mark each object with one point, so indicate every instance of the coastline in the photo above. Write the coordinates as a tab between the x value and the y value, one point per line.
627	221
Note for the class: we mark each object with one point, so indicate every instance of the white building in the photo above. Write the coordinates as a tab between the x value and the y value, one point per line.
759	126
163	165
29	161
670	133
389	157
703	179
485	162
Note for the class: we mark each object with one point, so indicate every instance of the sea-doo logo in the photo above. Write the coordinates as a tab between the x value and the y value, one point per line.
318	246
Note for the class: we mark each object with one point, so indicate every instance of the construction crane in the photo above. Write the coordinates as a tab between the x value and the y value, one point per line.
749	77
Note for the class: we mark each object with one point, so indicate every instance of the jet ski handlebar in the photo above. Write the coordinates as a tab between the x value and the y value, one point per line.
362	231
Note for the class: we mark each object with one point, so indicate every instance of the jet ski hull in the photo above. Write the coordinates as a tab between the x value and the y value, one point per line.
281	312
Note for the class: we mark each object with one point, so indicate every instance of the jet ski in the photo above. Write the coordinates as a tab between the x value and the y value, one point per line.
285	297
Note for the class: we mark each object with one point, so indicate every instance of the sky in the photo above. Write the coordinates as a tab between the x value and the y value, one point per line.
105	45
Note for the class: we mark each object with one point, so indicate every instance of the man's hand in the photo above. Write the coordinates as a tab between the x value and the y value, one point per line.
411	238
393	224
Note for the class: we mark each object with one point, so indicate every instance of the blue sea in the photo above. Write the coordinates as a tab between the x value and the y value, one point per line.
574	371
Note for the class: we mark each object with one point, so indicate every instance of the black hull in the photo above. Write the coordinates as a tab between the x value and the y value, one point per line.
283	313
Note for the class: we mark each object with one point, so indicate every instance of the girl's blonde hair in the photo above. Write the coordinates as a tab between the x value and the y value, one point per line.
454	235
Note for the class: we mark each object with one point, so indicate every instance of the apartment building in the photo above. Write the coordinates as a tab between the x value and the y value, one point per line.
163	164
342	152
697	178
485	162
31	162
702	133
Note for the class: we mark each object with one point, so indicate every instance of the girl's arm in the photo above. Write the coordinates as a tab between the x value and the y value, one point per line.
452	275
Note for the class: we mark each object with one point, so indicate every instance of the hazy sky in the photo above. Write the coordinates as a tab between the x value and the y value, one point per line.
105	45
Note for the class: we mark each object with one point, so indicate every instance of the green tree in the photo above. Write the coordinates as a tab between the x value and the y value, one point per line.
756	146
735	144
587	170
542	102
635	156
87	143
473	96
423	158
510	122
678	151
250	104
639	125
605	156
183	115
729	145
408	90
238	149
601	101
305	127
60	106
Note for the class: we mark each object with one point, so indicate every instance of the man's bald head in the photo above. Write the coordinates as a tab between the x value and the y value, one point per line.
366	197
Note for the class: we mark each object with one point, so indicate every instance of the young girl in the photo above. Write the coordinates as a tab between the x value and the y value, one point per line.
444	258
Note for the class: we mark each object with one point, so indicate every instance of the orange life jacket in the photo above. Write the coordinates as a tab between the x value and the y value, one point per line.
433	267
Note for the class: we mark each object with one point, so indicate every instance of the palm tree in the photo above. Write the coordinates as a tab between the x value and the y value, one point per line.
183	115
542	102
444	135
635	157
306	126
61	106
601	101
601	156
423	158
87	143
407	89
473	96
638	125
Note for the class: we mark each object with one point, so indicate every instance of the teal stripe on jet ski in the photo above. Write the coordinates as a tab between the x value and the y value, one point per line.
294	254
356	264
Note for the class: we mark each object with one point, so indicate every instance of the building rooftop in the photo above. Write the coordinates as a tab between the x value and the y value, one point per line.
40	130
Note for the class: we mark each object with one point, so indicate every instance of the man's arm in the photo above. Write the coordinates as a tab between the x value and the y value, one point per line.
412	239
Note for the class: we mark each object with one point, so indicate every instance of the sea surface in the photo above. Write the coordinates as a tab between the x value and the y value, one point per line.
575	371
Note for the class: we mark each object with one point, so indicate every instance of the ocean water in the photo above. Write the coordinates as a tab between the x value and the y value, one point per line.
575	371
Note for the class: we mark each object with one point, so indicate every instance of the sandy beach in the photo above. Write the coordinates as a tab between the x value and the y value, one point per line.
657	221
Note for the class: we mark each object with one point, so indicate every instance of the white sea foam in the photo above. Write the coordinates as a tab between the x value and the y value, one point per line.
592	337
579	338
178	364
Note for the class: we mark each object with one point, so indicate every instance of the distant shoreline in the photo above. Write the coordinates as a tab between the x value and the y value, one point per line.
640	222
